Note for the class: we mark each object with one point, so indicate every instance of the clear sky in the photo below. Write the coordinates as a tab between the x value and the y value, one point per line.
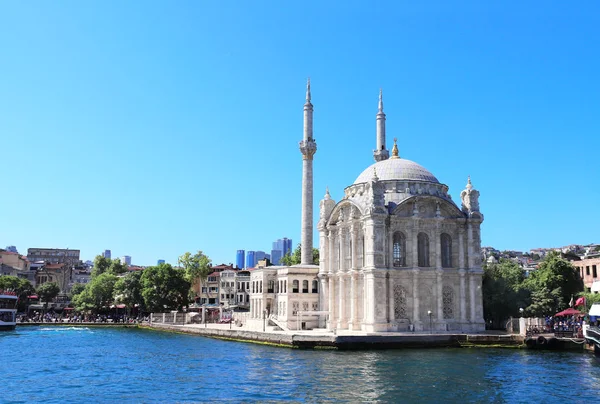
152	128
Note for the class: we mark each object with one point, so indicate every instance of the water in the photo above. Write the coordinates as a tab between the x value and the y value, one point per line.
61	365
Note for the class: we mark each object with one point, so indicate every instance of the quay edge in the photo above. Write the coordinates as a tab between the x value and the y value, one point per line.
349	342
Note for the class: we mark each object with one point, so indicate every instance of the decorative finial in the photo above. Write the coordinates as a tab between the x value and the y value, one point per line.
327	196
395	150
308	90
380	100
469	185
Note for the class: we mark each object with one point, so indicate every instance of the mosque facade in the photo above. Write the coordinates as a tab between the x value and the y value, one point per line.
396	253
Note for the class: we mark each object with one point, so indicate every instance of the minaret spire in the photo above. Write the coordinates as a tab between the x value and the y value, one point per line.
381	153
308	148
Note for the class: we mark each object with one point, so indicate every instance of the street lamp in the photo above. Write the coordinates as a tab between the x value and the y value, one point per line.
521	311
429	313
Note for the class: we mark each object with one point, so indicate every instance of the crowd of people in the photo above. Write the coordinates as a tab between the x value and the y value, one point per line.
54	317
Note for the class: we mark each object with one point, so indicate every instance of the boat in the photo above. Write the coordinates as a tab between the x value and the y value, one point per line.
8	310
591	332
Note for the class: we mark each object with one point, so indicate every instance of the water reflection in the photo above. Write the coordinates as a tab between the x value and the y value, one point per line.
144	366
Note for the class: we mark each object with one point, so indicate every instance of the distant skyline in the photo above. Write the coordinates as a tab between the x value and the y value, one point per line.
152	128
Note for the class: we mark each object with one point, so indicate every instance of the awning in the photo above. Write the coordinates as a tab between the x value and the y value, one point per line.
33	297
595	310
569	312
68	308
120	306
595	287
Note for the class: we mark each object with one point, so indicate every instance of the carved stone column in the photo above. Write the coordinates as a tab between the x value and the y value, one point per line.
472	286
352	324
440	306
415	293
342	321
463	303
331	251
331	324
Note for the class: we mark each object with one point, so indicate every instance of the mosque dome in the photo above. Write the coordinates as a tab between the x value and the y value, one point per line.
396	169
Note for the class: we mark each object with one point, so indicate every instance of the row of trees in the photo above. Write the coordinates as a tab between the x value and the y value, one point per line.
546	291
156	288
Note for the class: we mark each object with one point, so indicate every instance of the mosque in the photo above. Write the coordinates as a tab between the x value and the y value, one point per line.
396	253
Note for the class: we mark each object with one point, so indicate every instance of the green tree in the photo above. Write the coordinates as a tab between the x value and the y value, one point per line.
164	288
556	280
196	267
503	292
128	290
97	294
47	292
77	289
106	265
22	287
295	258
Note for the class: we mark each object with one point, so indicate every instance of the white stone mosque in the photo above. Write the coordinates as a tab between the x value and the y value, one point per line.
396	253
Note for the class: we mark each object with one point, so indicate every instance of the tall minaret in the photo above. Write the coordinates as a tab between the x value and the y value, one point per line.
381	153
308	148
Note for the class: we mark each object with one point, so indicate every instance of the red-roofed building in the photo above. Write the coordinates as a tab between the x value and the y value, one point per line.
13	264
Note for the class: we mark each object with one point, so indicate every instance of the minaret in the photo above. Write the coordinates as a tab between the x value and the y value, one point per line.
381	153
308	148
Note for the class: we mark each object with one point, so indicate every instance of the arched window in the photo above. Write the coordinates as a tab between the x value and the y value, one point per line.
446	244
315	286
295	286
304	286
448	302
399	250
423	247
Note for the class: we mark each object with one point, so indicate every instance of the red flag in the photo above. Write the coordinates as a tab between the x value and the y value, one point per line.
580	301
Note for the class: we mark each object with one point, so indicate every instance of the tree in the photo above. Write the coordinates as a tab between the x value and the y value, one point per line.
295	258
97	294
47	292
103	264
128	290
164	288
555	279
196	267
22	287
503	292
77	289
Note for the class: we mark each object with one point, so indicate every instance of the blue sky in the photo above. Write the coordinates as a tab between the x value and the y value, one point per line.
152	128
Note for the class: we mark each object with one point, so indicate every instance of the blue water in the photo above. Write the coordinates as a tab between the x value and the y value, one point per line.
61	365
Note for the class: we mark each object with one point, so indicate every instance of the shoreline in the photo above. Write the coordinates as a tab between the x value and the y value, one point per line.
349	341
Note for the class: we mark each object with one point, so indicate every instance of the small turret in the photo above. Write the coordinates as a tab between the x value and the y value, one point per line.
470	199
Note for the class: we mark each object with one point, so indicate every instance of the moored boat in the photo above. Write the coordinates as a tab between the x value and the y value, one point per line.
8	310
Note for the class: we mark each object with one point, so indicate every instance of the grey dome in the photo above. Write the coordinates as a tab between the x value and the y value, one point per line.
396	169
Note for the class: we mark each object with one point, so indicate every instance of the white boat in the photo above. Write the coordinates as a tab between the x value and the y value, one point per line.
8	310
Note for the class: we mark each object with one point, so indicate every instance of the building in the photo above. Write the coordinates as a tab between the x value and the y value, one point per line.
107	254
160	262
239	259
396	253
276	256
14	264
250	260
281	247
234	286
588	270
207	292
126	259
54	265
